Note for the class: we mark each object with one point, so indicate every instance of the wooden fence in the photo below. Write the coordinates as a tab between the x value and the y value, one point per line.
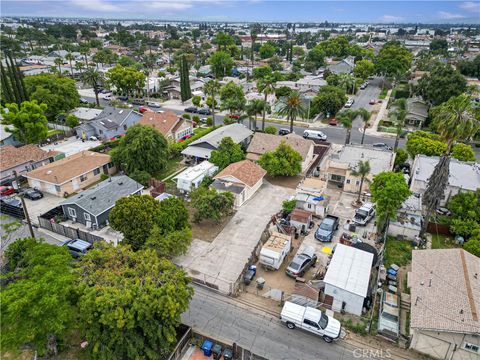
66	231
434	228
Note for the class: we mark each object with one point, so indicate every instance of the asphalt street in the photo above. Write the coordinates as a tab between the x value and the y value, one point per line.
261	333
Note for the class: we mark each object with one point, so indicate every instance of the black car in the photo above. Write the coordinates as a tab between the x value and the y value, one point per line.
10	201
83	101
283	132
204	111
33	194
138	102
122	98
191	109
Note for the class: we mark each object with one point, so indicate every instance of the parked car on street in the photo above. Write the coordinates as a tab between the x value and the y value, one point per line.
204	111
327	228
191	109
333	122
283	131
234	116
364	85
364	214
11	201
77	247
349	103
138	102
142	109
122	98
302	262
314	134
153	104
382	146
32	194
6	190
312	320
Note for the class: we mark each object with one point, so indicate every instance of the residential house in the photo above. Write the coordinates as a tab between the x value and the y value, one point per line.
174	89
445	303
347	279
338	166
169	124
71	174
110	123
417	112
301	220
463	176
23	159
262	143
344	66
86	114
7	138
203	147
191	178
242	178
309	83
92	206
310	197
409	219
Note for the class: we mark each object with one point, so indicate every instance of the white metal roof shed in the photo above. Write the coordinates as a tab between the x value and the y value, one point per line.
350	269
194	172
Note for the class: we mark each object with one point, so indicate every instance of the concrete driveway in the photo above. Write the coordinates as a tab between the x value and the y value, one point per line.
39	207
221	262
72	146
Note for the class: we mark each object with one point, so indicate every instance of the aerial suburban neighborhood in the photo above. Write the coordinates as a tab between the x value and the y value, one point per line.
240	180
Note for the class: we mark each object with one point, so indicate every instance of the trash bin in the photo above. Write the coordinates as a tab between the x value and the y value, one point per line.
217	351
227	354
260	283
207	348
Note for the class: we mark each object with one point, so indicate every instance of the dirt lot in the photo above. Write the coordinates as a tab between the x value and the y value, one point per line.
285	181
208	229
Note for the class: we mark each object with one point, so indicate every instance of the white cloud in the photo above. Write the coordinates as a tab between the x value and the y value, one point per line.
391	18
447	15
470	6
97	5
168	6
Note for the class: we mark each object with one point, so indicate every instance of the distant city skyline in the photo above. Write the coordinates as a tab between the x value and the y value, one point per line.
387	11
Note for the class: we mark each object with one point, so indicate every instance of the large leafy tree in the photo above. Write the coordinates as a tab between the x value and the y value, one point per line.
37	302
233	97
221	63
142	148
58	92
228	152
393	60
211	204
29	121
330	100
126	80
130	302
397	114
421	142
363	69
346	117
284	161
314	59
267	50
292	107
442	83
456	119
211	89
389	190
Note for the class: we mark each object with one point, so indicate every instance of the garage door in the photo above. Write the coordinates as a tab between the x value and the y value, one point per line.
434	347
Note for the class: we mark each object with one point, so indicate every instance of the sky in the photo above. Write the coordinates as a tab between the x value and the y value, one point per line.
385	11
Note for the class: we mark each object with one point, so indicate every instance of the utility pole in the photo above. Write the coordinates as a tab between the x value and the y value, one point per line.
24	205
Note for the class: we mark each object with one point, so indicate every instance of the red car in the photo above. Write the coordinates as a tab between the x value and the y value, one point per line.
333	122
236	117
6	190
142	109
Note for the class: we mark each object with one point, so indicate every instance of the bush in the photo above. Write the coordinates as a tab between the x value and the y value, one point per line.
271	130
196	119
176	148
228	121
400	157
210	121
401	92
186	116
104	177
288	206
140	176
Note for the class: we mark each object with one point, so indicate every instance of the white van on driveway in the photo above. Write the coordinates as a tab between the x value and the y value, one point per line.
314	134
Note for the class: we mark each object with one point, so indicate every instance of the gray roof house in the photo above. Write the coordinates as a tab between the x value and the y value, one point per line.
110	123
203	147
417	111
92	206
345	66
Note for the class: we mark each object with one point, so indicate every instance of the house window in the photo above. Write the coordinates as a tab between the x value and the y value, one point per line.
57	188
309	206
72	213
87	216
357	182
100	131
471	347
348	181
334	177
124	127
96	171
83	177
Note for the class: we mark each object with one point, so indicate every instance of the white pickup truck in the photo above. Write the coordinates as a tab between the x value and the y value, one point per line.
312	320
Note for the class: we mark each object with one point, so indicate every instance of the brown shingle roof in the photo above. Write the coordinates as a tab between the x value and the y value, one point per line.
300	215
261	143
11	156
245	171
163	122
445	290
70	167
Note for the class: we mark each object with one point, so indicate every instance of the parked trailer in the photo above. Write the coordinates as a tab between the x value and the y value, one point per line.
275	250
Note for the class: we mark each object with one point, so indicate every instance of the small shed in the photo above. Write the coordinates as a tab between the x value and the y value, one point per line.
192	177
301	219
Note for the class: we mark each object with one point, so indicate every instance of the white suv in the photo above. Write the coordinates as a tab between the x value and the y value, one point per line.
349	103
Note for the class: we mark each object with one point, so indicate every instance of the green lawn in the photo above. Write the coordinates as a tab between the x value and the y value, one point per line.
383	94
397	252
54	132
171	166
443	242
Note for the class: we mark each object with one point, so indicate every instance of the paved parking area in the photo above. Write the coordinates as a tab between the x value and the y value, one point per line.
39	207
71	146
222	261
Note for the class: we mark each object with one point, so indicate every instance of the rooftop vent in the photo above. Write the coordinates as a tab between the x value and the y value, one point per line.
49	172
120	183
93	198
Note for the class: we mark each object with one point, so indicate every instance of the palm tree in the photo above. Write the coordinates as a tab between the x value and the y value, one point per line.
70	58
94	78
85	51
292	107
267	86
365	115
347	82
362	170
255	107
346	118
456	119
397	116
79	67
211	89
59	62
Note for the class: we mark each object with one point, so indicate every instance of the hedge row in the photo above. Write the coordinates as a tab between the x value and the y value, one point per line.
178	147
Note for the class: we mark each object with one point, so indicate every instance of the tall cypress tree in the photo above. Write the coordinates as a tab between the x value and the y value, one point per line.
7	93
185	91
12	81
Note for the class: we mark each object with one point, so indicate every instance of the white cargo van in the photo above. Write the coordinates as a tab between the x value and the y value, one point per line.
275	250
312	320
314	134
